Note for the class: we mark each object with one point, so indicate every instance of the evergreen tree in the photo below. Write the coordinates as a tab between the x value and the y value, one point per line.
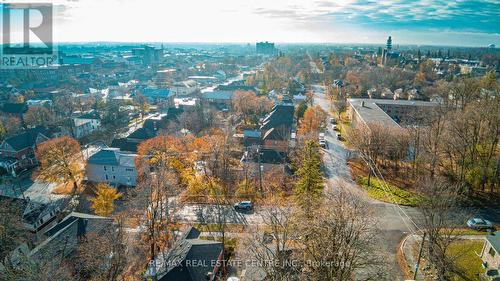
309	186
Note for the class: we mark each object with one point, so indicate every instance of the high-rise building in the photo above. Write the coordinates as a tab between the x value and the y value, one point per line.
265	48
389	44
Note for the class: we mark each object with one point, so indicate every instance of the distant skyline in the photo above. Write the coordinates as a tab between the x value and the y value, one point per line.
424	22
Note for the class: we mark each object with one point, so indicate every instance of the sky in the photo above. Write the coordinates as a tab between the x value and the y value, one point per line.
421	22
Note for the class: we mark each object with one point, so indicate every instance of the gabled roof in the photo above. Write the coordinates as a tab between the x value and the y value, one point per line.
125	144
270	156
281	116
189	260
27	138
277	133
63	238
90	115
112	157
156	93
142	134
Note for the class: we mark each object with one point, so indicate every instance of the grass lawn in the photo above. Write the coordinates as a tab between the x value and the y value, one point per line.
234	228
465	253
468	231
393	194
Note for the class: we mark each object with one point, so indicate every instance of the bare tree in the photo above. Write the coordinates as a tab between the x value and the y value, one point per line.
270	245
441	211
103	256
340	242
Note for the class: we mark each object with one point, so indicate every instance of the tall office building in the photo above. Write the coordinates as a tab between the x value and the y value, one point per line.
265	48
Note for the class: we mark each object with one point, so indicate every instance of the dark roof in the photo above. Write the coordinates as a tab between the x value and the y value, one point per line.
142	134
281	115
125	144
190	259
281	132
63	238
494	239
270	156
27	138
14	108
90	115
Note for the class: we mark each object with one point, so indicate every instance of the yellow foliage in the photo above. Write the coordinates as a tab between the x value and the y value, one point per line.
102	203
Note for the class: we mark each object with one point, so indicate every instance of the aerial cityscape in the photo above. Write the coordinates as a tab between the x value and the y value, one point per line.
249	141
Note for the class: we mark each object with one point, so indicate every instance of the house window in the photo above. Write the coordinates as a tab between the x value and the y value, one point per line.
129	170
106	177
114	177
492	252
112	169
104	168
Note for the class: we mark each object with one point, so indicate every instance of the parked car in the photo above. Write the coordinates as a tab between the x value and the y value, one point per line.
243	206
479	224
335	127
333	121
340	137
323	143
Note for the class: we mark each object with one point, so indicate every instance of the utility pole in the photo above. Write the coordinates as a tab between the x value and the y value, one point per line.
419	256
260	169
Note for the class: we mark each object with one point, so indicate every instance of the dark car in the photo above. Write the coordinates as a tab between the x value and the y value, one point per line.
340	137
243	206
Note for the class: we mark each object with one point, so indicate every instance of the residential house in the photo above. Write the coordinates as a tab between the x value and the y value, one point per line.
185	88
18	152
129	144
220	99
38	215
190	259
112	166
154	95
85	124
63	238
491	251
251	137
277	127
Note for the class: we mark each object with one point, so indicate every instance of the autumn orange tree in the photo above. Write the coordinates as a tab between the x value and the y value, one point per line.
313	121
102	203
249	106
38	115
61	161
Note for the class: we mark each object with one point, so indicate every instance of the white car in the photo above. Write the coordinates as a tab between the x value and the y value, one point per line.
479	224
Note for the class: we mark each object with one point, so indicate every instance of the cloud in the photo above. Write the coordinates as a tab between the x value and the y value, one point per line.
472	22
480	16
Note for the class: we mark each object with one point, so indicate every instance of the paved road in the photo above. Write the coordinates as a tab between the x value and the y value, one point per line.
205	213
392	222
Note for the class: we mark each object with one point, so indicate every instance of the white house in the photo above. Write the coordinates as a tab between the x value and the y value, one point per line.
85	125
112	166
